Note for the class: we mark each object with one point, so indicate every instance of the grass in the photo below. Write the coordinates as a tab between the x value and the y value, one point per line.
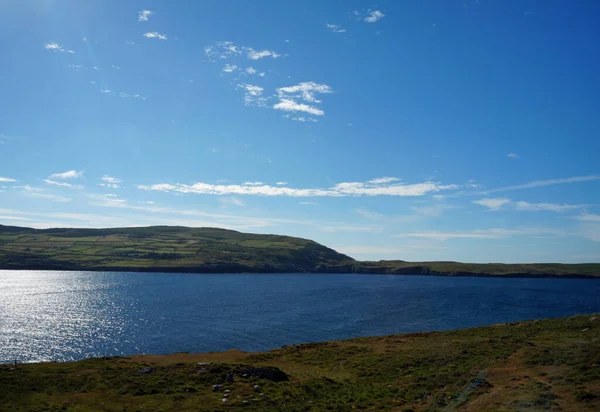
537	365
210	250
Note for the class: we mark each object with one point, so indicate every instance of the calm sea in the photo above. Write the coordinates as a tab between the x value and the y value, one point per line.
72	315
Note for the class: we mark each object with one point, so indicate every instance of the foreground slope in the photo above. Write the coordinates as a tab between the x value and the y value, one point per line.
204	250
528	366
163	248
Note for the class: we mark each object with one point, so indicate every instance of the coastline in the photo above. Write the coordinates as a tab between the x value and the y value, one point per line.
233	270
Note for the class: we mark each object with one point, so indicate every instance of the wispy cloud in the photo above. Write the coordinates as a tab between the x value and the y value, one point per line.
336	28
339	190
111	182
40	193
253	183
144	14
500	203
7	179
281	183
513	155
374	16
494	233
492	203
289	105
63	184
252	71
230	68
290	97
261	54
227	50
551	207
55	47
155	35
385	179
588	217
71	174
252	95
543	183
304	90
232	201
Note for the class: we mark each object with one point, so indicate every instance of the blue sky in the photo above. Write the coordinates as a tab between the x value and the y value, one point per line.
424	130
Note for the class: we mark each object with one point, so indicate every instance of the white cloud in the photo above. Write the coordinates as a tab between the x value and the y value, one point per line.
543	183
289	96
386	179
499	203
52	46
552	207
144	14
256	54
63	184
513	155
7	179
336	28
111	182
155	35
492	204
71	174
339	190
308	203
292	106
252	95
281	183
305	90
227	50
302	119
374	16
230	68
253	183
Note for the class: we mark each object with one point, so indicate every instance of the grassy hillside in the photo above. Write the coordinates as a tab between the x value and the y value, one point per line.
481	269
204	250
528	366
163	248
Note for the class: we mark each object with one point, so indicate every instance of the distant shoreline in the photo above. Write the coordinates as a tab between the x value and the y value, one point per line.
213	271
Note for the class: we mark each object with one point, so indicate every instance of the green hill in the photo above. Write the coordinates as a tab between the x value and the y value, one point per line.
527	366
211	250
164	248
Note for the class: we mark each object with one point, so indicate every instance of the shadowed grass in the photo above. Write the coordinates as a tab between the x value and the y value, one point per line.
536	365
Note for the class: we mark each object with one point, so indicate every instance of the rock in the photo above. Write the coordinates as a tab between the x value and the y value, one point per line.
203	363
245	402
224	400
257	387
271	373
216	388
229	377
227	390
261	394
245	375
145	371
225	395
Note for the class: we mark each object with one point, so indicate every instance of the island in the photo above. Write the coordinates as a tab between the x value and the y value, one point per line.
535	365
212	250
